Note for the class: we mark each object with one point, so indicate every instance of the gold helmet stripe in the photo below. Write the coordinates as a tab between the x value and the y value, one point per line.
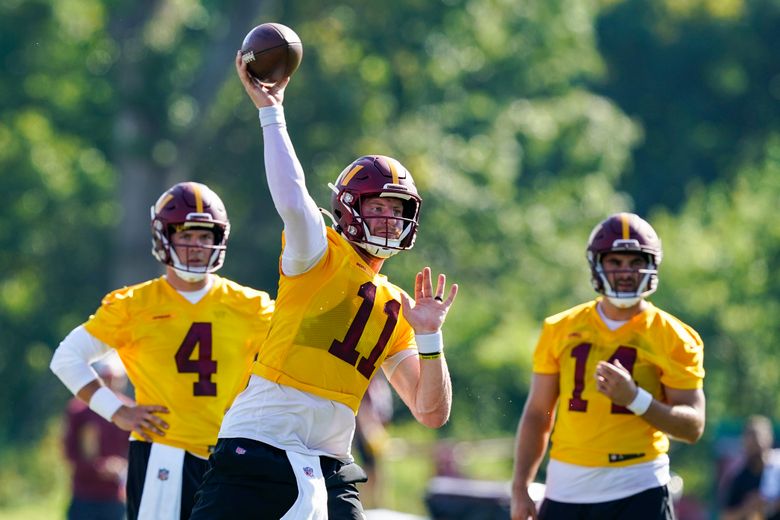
198	198
624	218
350	174
393	169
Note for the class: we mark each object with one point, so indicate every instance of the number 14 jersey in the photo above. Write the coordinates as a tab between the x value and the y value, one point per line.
655	347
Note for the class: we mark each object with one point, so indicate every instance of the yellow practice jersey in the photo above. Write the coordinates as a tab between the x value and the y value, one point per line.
191	358
658	349
334	326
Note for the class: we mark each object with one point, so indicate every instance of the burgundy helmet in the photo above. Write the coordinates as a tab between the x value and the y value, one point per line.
624	233
375	176
189	205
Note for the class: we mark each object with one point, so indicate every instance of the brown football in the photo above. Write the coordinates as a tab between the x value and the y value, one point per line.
271	52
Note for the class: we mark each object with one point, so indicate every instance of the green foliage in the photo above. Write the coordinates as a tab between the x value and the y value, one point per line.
35	475
725	248
524	123
57	184
701	78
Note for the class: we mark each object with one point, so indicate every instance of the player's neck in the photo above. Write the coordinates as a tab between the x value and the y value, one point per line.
373	262
182	285
616	313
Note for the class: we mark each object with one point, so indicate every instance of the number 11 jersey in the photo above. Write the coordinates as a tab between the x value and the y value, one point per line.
333	327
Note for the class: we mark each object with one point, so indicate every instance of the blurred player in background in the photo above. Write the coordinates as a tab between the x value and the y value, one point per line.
187	340
751	490
284	447
371	438
97	453
616	376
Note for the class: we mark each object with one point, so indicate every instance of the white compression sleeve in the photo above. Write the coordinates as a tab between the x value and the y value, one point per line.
71	361
304	227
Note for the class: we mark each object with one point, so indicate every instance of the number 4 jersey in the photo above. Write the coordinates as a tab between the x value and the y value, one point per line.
334	326
655	347
191	358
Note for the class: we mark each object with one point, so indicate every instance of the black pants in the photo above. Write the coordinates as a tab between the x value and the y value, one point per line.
250	479
192	475
653	504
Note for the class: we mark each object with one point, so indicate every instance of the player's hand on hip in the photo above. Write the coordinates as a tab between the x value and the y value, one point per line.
141	419
614	381
427	312
262	95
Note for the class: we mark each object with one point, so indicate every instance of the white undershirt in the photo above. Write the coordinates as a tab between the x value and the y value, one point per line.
610	323
195	296
588	485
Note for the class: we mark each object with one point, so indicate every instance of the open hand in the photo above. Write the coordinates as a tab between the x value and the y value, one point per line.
426	314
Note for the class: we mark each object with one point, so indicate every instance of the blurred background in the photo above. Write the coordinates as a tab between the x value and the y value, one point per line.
524	122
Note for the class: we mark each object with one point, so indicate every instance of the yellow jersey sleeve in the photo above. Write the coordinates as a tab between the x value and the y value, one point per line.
656	348
191	358
684	369
545	360
333	327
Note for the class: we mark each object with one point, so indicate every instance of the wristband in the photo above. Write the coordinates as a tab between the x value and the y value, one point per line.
105	403
429	343
641	402
435	355
271	115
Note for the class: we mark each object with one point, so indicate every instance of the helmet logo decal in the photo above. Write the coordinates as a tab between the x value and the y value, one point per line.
350	174
163	200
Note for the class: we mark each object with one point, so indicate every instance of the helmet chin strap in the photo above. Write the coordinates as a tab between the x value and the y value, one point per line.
188	276
623	300
377	251
185	273
377	246
624	303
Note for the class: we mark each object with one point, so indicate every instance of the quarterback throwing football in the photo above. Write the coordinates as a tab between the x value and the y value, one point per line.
284	446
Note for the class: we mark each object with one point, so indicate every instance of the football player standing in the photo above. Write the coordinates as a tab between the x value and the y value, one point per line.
617	377
284	446
187	341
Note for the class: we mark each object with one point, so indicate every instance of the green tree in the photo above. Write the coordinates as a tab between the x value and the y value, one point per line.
701	79
524	123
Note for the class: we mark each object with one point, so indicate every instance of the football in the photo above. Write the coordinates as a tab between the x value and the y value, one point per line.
271	52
